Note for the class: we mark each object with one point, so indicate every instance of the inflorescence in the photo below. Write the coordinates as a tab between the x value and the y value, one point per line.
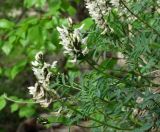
73	42
98	9
40	91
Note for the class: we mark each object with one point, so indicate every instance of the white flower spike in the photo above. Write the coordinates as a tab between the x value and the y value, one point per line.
97	10
73	42
40	91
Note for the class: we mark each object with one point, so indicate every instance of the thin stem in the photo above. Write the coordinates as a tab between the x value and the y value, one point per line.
144	22
16	101
89	126
70	86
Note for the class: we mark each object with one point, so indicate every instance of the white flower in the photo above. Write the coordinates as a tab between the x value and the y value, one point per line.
54	64
45	102
38	73
39	93
73	60
103	6
32	90
97	10
85	51
73	42
42	72
35	63
139	100
36	91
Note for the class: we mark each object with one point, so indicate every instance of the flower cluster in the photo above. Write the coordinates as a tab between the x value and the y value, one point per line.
115	3
40	90
98	9
73	42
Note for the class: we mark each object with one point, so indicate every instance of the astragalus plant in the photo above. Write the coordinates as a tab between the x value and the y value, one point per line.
112	76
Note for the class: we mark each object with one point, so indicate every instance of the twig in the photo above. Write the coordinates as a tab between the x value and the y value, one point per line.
16	101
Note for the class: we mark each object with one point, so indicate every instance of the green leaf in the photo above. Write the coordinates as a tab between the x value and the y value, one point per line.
71	10
35	35
14	107
37	3
56	6
5	24
7	47
17	68
2	102
108	64
48	25
88	22
65	4
155	45
26	111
